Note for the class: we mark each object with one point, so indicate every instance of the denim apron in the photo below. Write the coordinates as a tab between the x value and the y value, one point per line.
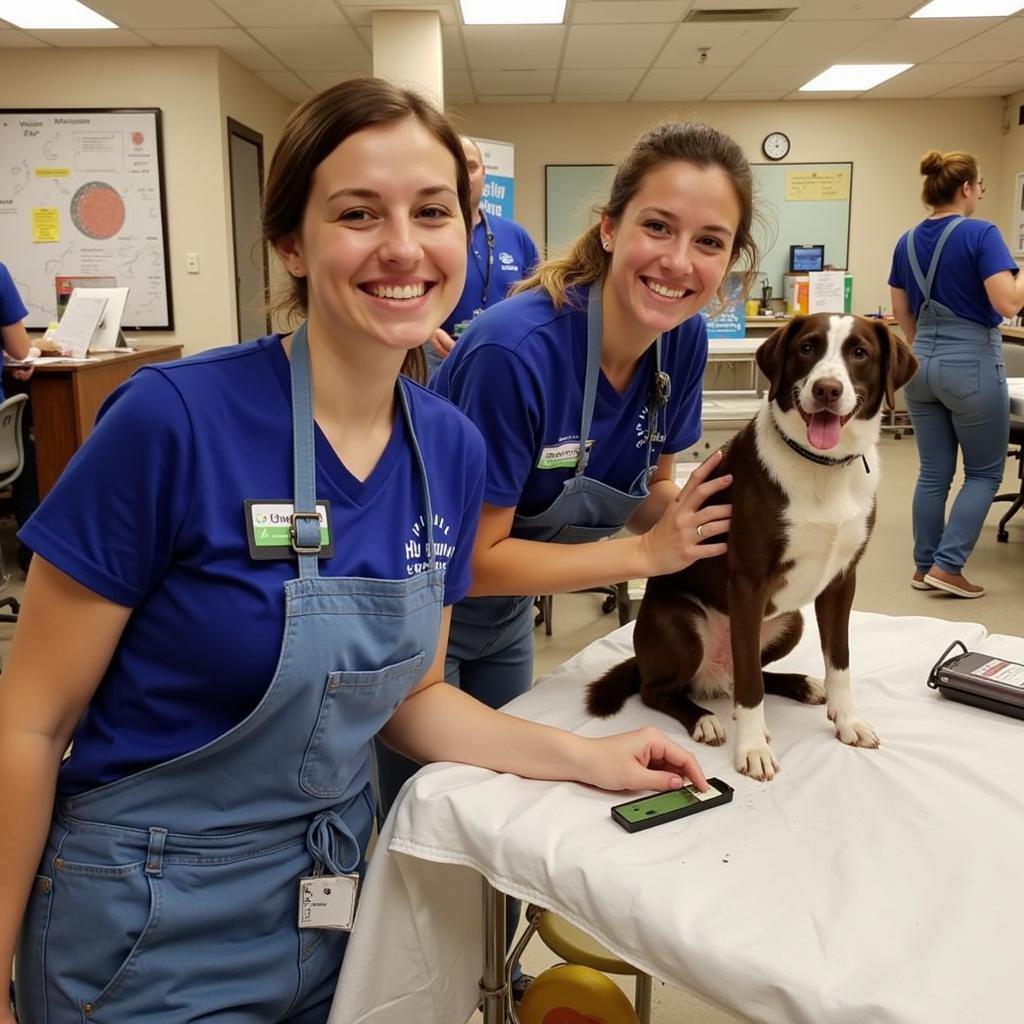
172	895
584	510
961	366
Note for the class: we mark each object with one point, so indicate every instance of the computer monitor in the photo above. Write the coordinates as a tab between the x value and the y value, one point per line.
804	258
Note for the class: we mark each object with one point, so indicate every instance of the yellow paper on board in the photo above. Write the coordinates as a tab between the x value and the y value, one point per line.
812	186
45	224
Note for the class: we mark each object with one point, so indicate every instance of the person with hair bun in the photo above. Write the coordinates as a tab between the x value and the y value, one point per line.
953	280
243	576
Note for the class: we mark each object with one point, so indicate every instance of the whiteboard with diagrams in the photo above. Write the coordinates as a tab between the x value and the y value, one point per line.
81	194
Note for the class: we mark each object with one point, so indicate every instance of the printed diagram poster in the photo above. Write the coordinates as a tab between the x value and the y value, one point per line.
81	196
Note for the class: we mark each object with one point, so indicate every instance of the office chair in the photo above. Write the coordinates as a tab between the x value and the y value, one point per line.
1017	438
616	596
12	461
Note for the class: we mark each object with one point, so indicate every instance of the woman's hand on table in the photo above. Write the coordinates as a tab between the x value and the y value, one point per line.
677	539
641	759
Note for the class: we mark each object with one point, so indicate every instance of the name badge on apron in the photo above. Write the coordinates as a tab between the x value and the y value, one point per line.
561	456
268	525
328	901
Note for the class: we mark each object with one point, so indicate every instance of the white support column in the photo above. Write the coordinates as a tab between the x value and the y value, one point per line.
407	51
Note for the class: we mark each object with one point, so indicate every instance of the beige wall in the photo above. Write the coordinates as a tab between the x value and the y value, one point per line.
195	88
1012	165
883	138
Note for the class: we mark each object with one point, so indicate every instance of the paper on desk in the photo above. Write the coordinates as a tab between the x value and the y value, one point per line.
79	322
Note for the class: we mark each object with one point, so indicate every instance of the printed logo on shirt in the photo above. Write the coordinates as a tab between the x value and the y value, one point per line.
641	432
416	554
508	262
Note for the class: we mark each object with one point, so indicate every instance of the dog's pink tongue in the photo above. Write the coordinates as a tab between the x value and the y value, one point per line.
823	430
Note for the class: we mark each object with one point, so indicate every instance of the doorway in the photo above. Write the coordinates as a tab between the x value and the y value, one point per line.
252	275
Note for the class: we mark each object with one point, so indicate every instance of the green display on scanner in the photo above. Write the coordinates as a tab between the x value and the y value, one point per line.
648	811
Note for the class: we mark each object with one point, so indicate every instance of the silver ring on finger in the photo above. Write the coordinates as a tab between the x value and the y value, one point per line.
700	532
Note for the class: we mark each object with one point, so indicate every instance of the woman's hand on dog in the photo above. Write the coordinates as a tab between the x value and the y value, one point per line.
674	542
641	759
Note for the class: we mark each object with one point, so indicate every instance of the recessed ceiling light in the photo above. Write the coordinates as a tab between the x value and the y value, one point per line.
977	9
853	77
51	14
513	12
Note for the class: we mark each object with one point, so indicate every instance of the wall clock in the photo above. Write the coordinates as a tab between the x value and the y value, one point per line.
775	145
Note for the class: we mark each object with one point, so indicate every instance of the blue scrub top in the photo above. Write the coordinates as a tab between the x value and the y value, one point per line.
12	309
149	514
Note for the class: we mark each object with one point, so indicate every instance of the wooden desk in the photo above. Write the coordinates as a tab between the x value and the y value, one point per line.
65	399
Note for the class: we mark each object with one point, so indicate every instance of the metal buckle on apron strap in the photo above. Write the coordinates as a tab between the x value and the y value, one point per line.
294	533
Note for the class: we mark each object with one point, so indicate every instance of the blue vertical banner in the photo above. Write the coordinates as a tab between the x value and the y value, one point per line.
499	186
731	320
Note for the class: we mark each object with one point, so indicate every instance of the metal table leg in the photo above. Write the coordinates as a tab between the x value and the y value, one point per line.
494	983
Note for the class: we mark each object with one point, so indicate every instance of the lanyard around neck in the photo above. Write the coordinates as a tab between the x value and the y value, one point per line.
485	271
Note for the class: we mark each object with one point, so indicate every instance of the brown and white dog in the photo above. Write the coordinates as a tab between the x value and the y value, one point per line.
805	474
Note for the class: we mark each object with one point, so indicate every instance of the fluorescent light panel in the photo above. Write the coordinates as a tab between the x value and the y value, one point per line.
51	14
853	77
513	12
977	9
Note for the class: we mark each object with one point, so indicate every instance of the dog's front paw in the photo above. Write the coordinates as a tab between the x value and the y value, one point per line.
709	730
757	762
855	731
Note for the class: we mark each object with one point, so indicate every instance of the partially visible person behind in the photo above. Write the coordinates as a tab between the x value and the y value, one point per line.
953	280
501	253
17	347
221	651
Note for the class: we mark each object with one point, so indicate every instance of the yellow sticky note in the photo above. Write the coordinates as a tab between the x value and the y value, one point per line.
45	224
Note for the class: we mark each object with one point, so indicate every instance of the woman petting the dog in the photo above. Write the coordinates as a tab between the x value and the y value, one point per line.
221	676
953	280
585	385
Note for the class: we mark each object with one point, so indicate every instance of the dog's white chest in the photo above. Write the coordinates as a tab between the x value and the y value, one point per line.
826	527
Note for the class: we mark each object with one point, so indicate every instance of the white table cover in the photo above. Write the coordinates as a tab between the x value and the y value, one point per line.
860	887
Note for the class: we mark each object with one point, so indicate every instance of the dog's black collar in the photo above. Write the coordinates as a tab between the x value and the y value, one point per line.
821	460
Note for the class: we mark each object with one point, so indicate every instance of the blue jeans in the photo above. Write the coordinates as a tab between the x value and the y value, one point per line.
957	401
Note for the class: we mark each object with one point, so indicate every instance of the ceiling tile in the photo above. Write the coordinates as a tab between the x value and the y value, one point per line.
826	10
718	96
772	79
912	42
728	45
287	14
627	12
929	79
363	15
180	14
513	99
316	49
679	83
1008	78
451	45
319	80
580	83
513	47
89	37
522	83
600	97
14	38
235	42
619	46
827	41
1003	43
966	92
286	84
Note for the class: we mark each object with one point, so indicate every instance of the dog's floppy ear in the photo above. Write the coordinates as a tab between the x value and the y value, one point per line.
771	355
899	363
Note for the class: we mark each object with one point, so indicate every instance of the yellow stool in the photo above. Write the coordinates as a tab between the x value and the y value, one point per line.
573	994
576	947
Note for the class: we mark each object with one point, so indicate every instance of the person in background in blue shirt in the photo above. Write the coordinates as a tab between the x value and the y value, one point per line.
17	346
953	280
501	253
242	577
585	385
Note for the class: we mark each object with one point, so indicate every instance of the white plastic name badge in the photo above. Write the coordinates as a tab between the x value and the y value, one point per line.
328	901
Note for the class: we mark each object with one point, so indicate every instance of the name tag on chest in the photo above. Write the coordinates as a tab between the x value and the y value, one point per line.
268	526
328	901
561	456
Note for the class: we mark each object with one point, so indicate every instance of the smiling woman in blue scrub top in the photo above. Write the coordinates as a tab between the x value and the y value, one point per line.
241	578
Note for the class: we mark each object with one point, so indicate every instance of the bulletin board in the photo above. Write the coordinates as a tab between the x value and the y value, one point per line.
82	194
801	204
570	193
